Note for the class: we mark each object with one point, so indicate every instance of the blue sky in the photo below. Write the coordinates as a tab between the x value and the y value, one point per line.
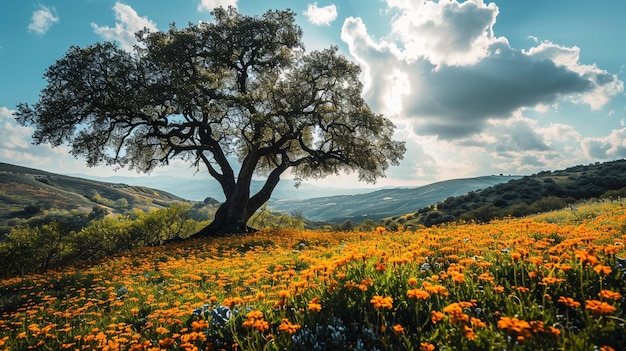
474	88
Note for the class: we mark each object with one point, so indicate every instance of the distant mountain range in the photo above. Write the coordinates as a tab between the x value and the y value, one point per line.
197	189
42	190
383	203
27	194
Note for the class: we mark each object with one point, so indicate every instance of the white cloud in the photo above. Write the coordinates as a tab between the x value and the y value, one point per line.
129	22
612	146
43	19
15	136
209	5
321	15
604	85
458	76
17	147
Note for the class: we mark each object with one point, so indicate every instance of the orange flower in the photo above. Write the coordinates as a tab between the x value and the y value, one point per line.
200	324
551	280
516	327
380	302
455	310
586	257
457	277
599	308
486	277
609	295
398	329
256	314
417	294
568	301
162	330
288	327
427	347
261	325
477	323
166	342
314	307
412	281
469	332
436	316
602	269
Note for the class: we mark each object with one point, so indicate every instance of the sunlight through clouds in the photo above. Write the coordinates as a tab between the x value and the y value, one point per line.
446	32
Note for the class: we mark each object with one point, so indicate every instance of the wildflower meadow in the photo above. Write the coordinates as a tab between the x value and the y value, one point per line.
554	281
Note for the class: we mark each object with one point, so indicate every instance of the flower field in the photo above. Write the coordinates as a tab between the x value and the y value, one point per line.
551	282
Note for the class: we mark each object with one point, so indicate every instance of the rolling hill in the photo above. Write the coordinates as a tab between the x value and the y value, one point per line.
26	193
382	203
541	192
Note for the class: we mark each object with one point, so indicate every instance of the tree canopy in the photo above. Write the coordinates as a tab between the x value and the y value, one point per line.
238	96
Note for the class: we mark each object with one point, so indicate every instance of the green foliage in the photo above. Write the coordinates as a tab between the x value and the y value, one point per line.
35	249
32	249
266	219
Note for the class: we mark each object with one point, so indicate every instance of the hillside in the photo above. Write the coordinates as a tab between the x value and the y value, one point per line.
541	192
383	203
200	187
27	194
548	282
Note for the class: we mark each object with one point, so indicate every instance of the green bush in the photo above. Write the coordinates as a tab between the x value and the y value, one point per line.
38	248
35	249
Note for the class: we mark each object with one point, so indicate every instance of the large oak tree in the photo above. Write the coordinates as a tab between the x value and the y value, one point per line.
238	96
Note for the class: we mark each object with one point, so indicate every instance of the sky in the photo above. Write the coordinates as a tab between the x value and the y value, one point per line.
474	88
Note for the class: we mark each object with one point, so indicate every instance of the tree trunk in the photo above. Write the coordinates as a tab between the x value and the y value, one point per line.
232	216
229	219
